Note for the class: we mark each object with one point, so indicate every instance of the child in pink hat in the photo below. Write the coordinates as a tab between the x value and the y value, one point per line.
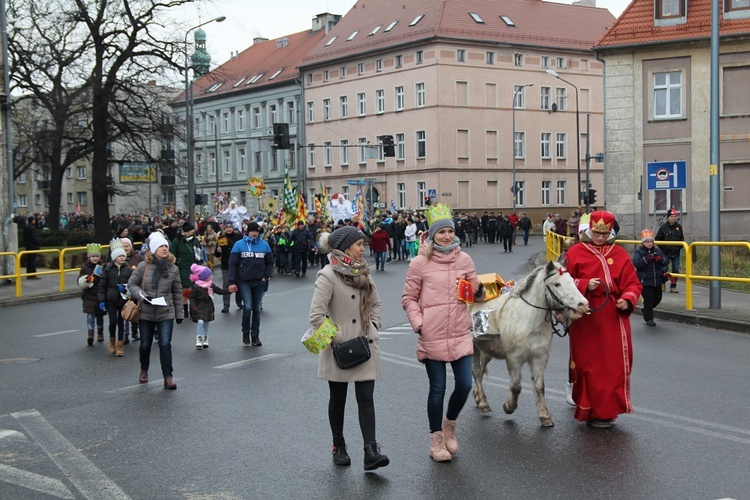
201	301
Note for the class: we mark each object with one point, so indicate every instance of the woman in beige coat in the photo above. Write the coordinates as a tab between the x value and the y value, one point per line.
345	292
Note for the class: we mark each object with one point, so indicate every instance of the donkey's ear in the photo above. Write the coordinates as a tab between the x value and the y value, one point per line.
550	266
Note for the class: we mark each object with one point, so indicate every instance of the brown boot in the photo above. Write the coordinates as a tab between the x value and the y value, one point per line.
449	433
111	347
143	377
437	448
169	384
119	349
90	340
100	335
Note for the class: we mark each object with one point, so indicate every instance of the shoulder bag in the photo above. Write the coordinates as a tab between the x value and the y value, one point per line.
352	353
131	311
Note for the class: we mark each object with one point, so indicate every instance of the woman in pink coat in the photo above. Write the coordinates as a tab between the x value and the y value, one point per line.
443	323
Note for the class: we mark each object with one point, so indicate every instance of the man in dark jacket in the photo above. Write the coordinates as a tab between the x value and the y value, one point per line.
671	231
250	269
226	241
484	222
491	228
302	241
525	225
31	242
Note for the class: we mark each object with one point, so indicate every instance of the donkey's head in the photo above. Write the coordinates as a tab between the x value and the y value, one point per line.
563	294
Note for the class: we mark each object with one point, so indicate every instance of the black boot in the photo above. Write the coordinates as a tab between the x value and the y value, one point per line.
134	330
340	456
373	457
185	311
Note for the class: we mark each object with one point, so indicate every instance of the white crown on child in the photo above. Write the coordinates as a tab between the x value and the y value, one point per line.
115	244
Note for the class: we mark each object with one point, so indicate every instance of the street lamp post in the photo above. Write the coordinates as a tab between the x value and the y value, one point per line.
514	190
578	132
189	125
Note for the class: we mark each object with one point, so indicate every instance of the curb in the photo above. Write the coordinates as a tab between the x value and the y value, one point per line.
699	320
33	299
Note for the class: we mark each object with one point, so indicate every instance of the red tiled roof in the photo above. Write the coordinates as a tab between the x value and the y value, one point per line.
264	58
537	23
635	26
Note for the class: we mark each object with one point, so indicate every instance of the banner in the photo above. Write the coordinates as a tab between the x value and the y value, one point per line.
135	172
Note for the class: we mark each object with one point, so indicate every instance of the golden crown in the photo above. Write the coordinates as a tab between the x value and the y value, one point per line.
94	249
437	212
600	226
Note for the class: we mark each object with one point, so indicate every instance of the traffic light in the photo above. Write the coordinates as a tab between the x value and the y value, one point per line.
389	150
592	196
281	135
200	199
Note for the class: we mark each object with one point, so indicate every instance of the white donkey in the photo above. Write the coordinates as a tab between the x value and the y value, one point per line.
519	330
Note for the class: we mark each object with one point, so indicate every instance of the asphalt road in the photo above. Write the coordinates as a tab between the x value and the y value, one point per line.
251	422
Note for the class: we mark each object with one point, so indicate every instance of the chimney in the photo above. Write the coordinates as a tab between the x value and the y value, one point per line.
258	40
325	21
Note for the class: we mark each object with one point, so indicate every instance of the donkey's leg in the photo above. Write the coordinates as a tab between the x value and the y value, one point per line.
537	365
478	369
514	374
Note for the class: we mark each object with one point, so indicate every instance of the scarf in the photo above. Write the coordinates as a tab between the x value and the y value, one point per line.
161	268
357	275
446	249
207	285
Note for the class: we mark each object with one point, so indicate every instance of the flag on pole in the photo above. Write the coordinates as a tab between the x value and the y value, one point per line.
393	207
318	207
301	209
290	198
323	202
355	203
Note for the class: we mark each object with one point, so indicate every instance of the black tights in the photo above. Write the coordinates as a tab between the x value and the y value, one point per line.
337	403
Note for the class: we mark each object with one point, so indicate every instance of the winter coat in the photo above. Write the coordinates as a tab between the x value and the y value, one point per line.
506	228
168	286
209	242
112	276
228	241
31	237
650	265
333	297
302	240
202	304
134	259
185	256
410	233
549	225
668	232
525	224
250	261
380	241
89	295
432	306
399	228
283	240
561	226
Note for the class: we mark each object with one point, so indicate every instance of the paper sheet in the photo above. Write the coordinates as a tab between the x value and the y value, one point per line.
158	301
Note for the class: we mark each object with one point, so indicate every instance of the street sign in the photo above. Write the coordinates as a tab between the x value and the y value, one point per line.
515	189
356	183
432	193
666	175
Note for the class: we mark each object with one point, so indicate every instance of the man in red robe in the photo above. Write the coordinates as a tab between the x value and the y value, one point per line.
601	348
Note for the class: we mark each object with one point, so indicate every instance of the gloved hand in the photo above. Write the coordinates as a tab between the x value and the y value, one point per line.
122	289
179	321
102	306
659	258
650	257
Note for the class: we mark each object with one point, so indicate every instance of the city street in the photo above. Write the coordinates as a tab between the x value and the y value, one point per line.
251	422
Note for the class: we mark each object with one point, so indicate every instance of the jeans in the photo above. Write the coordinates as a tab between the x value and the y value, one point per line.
284	262
92	320
399	248
300	261
252	297
165	344
675	266
436	374
116	323
380	260
202	328
525	236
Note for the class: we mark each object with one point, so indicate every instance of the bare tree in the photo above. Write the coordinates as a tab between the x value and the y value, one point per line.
85	62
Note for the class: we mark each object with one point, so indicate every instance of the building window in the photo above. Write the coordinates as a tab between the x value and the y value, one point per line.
421	144
22	176
274	161
490	57
545	141
197	129
546	188
560	63
291	112
399	98
68	175
561	97
362	150
521	192
380	101
23	201
326	109
421	193
225	122
344	152
419	87
38	199
309	79
668	94
379	65
361	104
81	197
545	61
241	119
311	149
561	192
669	9
212	163
243	159
344	106
342	71
80	172
111	198
325	75
518	94
420	57
400	146
361	68
328	153
560	146
227	162
198	164
211	125
273	113
544	98
70	198
518	59
519	144
292	162
461	55
256	118
310	112
258	162
401	195
399	60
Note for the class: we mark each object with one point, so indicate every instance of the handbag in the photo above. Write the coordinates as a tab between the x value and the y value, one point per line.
131	311
352	353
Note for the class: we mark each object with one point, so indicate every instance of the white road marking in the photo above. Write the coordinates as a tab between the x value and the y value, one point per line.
157	381
244	362
652	416
37	482
388	332
4	433
79	470
56	333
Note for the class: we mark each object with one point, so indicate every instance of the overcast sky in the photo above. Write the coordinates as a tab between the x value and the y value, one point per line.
248	19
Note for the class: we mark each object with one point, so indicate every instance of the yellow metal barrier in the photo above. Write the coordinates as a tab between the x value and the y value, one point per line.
554	250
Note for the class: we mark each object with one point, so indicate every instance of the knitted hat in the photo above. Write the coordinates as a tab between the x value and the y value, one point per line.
671	212
200	273
438	217
93	249
341	239
647	235
156	240
187	227
128	240
116	250
253	226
